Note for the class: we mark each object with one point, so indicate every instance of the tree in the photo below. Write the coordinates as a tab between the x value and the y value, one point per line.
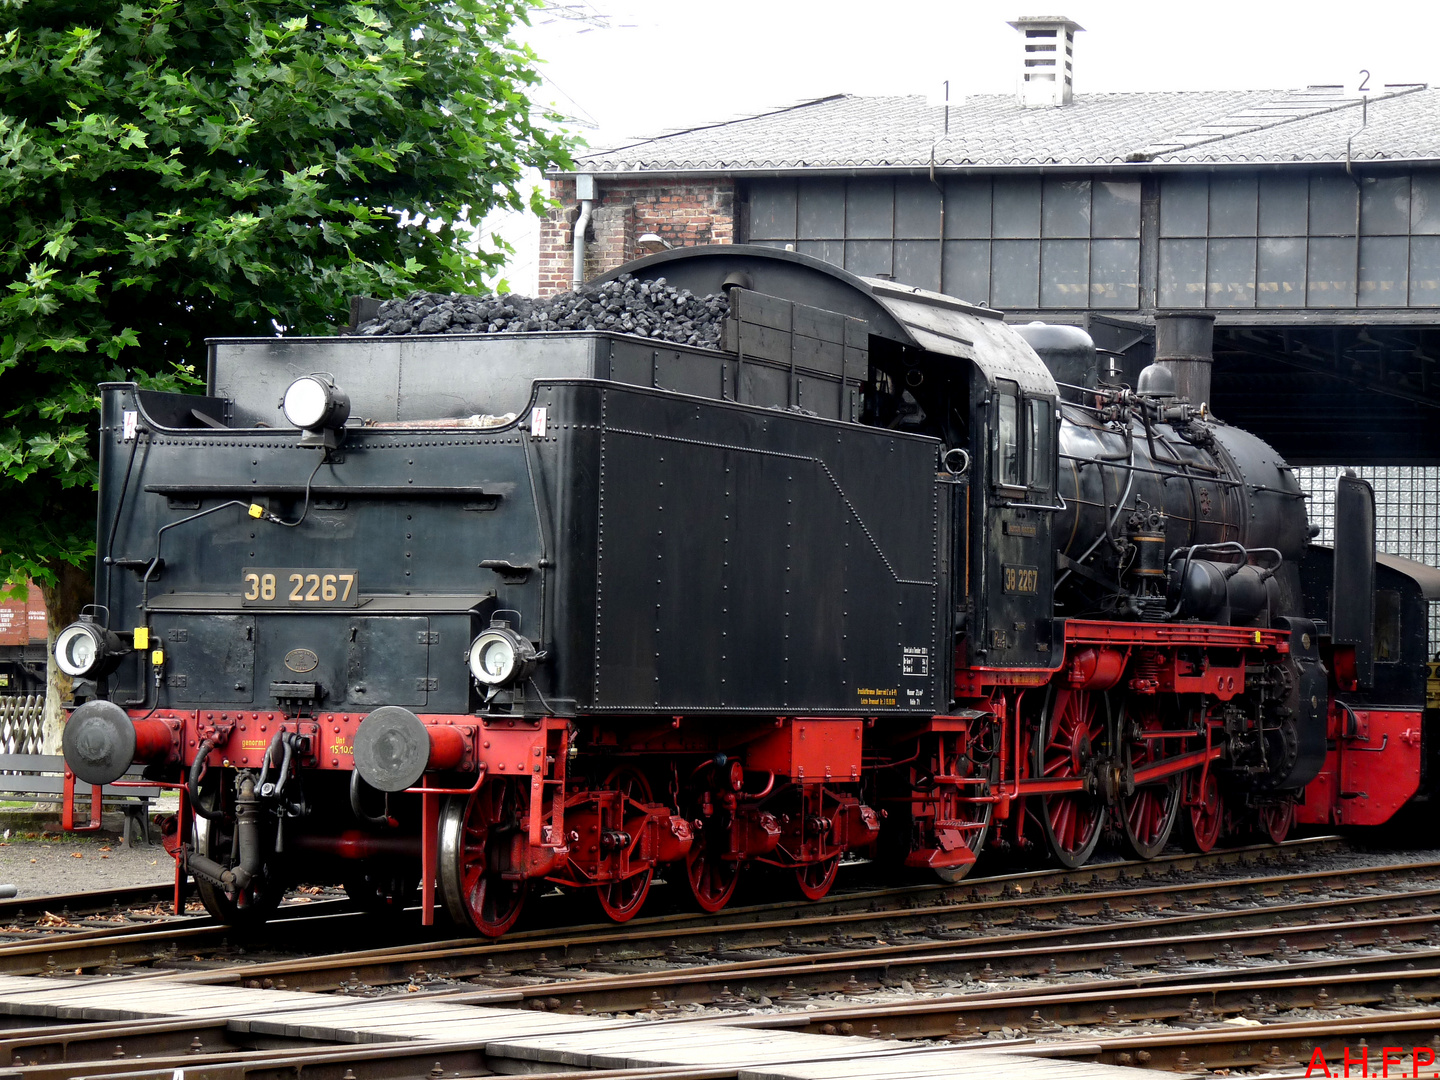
172	170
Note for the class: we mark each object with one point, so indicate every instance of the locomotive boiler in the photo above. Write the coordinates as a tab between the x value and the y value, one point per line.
452	615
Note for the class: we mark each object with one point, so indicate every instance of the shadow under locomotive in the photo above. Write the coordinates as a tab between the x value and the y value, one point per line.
463	613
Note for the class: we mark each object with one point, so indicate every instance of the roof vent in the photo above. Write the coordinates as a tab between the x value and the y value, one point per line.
1048	75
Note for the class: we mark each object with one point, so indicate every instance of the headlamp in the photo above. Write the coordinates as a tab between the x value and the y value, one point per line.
318	407
85	649
500	657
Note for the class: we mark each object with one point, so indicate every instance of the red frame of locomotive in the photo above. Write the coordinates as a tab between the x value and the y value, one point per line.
564	839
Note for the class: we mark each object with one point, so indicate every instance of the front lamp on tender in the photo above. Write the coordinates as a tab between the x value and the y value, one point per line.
500	657
319	408
85	649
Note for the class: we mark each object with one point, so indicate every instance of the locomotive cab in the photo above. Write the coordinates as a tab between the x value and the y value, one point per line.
1018	496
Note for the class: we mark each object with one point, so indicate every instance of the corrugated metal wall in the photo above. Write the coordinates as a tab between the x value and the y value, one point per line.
1026	243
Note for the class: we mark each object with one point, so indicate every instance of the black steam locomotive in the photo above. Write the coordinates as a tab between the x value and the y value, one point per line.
882	575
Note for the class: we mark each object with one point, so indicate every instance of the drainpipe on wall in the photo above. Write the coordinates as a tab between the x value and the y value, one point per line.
585	192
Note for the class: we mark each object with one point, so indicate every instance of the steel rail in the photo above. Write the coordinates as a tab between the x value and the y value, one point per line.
1189	997
162	945
861	972
1271	1045
879	932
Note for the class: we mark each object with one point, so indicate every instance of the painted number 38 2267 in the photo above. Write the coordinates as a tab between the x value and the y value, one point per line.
298	587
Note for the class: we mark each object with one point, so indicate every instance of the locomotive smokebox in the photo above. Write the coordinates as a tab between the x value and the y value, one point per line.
393	748
101	742
1186	345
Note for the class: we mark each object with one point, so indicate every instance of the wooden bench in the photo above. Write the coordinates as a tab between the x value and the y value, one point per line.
43	777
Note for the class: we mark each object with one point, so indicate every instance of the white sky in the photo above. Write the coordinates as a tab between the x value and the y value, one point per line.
630	69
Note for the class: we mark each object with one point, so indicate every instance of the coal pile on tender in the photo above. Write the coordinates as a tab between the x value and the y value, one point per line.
626	305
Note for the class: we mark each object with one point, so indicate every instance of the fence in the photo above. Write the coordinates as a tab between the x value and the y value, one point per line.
20	723
1407	513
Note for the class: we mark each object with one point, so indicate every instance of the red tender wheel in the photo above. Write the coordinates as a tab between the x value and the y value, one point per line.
712	877
814	880
471	846
622	900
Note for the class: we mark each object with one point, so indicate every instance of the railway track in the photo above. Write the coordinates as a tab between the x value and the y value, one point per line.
1026	935
1249	962
867	913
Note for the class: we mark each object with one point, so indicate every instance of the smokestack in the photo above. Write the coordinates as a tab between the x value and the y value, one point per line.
1048	75
1186	345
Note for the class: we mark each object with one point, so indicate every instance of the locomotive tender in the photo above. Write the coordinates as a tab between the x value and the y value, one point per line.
883	576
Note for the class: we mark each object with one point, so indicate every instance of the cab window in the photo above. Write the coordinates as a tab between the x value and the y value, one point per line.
1039	436
1387	626
1024	440
1007	436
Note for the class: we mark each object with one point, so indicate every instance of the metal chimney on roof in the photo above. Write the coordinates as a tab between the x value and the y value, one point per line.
1048	76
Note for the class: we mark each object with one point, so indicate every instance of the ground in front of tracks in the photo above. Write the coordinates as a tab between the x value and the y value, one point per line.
46	864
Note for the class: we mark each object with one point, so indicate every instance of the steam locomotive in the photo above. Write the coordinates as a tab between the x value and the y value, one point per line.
882	576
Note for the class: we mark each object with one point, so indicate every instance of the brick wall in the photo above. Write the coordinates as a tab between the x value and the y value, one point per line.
686	213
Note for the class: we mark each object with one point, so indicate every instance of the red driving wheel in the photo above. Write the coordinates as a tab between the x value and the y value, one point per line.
1075	726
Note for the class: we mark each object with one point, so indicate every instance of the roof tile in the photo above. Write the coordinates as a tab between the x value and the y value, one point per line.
992	130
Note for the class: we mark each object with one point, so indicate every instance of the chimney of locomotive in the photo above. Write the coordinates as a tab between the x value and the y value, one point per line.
1047	74
1185	344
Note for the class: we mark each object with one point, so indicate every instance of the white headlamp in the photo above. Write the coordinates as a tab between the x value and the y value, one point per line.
500	657
316	405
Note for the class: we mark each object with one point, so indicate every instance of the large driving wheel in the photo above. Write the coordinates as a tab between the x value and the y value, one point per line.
1150	811
475	835
622	900
1075	730
1207	811
215	840
1276	820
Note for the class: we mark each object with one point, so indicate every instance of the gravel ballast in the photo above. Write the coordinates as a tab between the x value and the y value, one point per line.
627	305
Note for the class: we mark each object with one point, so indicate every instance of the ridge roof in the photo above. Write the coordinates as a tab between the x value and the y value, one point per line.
1207	127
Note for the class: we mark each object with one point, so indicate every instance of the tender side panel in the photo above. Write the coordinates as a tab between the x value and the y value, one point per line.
762	561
